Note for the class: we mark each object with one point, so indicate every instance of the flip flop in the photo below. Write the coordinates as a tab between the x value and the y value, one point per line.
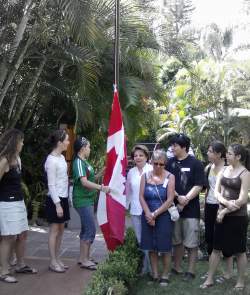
64	265
206	286
8	279
89	267
56	268
26	270
221	279
91	259
203	277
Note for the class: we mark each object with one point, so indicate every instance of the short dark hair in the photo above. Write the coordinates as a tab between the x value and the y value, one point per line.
182	140
219	147
140	147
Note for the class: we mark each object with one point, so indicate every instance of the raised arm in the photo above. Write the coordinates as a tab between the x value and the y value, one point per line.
92	185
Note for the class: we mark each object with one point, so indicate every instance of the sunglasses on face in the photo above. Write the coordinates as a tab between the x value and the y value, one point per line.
159	164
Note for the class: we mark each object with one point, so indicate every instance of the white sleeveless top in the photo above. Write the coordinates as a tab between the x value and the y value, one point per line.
211	199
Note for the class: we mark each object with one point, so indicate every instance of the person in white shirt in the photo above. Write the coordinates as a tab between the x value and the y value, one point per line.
57	207
140	155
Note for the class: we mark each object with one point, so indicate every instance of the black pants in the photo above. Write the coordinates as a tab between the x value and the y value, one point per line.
210	219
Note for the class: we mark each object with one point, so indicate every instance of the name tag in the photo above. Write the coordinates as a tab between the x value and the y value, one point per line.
165	183
185	169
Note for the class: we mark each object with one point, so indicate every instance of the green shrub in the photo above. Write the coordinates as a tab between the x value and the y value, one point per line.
116	274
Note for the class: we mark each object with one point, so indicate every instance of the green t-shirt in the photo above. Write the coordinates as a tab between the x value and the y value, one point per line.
82	196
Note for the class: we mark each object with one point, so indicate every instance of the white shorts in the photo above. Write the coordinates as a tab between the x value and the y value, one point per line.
13	218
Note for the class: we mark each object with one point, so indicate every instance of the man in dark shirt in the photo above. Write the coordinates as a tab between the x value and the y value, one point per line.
189	180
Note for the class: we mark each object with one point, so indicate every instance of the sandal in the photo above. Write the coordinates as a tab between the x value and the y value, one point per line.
164	282
56	268
8	279
91	259
221	279
63	265
26	269
206	286
89	267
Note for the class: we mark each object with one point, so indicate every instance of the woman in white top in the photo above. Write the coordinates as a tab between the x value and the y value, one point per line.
57	207
140	155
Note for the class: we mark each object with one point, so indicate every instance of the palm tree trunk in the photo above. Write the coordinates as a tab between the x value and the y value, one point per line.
29	92
29	114
14	70
21	28
3	72
13	101
16	42
226	121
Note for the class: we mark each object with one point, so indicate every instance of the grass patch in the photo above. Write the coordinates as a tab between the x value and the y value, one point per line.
179	287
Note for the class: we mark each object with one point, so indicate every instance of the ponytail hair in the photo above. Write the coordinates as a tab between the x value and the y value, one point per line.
219	147
55	137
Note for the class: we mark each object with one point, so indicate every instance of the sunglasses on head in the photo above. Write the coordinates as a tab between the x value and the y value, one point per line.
159	164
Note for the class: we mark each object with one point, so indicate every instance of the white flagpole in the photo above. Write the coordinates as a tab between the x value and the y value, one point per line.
117	41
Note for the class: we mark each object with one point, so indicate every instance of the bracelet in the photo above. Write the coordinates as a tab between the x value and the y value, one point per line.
155	212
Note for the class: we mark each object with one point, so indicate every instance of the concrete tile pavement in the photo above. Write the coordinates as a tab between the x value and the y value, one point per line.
72	282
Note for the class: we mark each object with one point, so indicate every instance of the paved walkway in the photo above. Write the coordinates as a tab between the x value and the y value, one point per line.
72	282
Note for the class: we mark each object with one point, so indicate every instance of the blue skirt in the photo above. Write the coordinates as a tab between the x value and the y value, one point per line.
157	238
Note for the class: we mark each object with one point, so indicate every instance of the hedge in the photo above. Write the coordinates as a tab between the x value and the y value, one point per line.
119	271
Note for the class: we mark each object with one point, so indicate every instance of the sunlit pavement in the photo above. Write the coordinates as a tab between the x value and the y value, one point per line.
72	282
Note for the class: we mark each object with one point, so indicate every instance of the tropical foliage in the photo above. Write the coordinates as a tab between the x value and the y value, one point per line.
57	66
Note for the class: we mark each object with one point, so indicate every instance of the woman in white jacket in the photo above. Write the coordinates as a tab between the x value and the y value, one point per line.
140	156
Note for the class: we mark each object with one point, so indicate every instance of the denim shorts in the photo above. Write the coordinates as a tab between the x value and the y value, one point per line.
88	229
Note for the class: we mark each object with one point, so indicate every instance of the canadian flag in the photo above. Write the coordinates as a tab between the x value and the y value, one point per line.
111	207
